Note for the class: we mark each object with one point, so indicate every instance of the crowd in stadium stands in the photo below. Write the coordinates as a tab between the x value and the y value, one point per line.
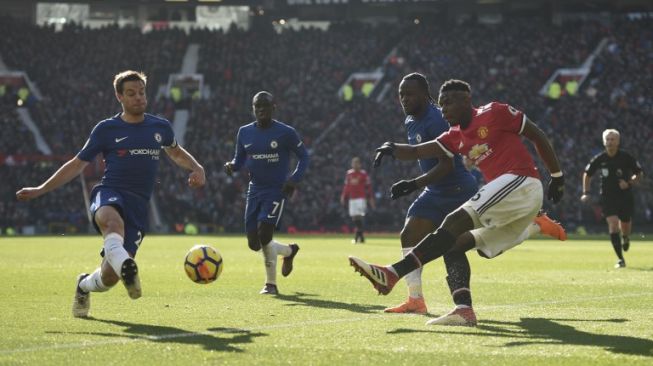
304	70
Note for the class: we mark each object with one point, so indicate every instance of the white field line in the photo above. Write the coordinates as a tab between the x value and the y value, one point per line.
140	338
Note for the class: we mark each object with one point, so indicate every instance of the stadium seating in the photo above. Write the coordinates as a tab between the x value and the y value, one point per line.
304	70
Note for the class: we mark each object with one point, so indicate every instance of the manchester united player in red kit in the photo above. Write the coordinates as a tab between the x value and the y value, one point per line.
358	187
498	217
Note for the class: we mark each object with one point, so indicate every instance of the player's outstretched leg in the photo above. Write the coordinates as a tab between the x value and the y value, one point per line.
383	278
287	265
82	301
550	227
129	277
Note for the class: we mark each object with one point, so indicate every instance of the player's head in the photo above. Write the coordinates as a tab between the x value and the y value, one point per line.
130	90
356	163
414	94
455	99
263	105
611	139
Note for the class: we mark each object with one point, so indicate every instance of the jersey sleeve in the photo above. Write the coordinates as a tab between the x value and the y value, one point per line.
168	140
345	187
240	154
449	142
297	147
93	145
368	185
591	167
509	118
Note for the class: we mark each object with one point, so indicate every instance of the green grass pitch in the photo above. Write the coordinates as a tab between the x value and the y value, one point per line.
542	303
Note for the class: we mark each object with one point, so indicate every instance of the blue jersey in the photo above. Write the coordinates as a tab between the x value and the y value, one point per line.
427	128
130	150
266	154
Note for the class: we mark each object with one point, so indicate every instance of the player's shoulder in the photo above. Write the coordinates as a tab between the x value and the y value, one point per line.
598	157
626	153
107	123
283	126
156	120
350	171
247	126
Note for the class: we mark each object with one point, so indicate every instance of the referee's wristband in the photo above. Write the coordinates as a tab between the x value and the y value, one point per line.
556	175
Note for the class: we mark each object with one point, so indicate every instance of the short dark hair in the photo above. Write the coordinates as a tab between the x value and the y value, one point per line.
455	85
266	93
422	81
128	75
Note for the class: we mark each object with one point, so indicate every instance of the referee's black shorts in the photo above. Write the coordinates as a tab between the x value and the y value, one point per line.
621	206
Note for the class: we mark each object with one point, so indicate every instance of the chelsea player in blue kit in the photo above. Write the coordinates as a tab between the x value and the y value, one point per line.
264	148
424	122
131	143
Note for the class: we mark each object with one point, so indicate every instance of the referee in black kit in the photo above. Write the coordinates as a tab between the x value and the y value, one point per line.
619	172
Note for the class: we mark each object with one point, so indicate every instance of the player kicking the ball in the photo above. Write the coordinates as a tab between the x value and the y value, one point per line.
500	215
264	147
130	143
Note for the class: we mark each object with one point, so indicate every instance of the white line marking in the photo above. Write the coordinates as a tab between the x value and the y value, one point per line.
140	338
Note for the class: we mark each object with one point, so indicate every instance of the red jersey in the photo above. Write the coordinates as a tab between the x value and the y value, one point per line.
357	184
493	142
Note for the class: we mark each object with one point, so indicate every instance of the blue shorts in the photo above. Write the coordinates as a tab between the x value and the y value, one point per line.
435	206
265	206
132	208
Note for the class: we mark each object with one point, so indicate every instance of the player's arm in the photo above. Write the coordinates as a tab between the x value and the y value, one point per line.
239	157
425	150
300	151
637	174
443	168
184	159
63	175
345	191
370	192
547	154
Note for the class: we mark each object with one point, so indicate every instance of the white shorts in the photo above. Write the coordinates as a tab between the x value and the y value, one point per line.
357	207
502	210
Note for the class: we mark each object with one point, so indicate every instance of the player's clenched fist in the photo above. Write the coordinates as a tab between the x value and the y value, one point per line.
388	148
197	178
556	189
229	168
402	188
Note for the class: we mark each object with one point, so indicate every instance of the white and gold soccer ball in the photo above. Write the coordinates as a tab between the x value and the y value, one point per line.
203	264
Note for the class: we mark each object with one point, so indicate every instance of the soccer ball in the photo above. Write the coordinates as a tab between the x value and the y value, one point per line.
203	264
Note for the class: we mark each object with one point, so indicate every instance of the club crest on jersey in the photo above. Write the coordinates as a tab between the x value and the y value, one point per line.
482	132
157	137
273	144
418	138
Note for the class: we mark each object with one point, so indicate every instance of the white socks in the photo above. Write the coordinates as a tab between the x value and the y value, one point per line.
281	249
93	282
413	279
270	261
115	252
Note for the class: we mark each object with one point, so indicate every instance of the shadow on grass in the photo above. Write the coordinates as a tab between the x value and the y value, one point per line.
213	339
548	331
643	269
304	299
